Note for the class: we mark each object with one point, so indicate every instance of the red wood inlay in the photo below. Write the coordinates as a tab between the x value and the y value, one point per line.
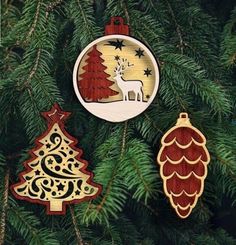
117	26
184	168
183	135
183	158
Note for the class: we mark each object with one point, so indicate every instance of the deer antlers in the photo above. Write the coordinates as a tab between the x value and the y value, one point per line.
122	65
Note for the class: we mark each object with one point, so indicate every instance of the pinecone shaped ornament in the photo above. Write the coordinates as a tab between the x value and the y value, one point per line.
183	160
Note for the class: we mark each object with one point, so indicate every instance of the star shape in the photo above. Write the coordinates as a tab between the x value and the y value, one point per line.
147	72
37	172
118	44
76	165
50	161
60	187
48	146
77	192
139	52
117	57
56	114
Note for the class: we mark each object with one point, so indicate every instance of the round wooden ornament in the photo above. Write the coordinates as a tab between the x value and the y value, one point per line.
116	77
183	160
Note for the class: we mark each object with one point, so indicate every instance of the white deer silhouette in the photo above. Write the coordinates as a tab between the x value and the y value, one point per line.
127	86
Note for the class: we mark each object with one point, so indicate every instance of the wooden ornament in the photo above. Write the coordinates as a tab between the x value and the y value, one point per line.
55	174
117	26
183	160
116	77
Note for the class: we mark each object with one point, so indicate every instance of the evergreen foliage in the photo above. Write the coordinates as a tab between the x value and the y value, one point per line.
41	40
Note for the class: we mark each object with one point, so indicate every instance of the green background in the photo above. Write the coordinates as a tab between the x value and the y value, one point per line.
195	44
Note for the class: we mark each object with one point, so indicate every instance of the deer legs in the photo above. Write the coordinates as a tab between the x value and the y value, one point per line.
126	96
138	96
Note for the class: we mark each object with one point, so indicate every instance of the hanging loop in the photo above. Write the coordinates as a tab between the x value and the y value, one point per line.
116	26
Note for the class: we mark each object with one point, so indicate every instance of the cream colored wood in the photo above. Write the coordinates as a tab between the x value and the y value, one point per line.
55	206
183	121
58	186
115	108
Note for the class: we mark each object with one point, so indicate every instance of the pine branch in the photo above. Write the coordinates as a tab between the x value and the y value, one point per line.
138	170
152	210
228	44
223	237
112	200
77	232
108	187
8	93
153	123
192	79
86	29
127	230
10	16
148	128
51	6
223	153
34	23
186	44
25	223
114	8
38	89
124	139
86	20
33	70
9	61
172	91
4	207
178	29
149	5
124	5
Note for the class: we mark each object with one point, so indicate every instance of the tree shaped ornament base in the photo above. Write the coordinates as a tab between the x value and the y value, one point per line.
56	175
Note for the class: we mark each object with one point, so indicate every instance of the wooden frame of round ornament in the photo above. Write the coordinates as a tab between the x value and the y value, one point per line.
113	115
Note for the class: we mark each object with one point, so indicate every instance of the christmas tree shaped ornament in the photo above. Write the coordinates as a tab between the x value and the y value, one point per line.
116	77
55	174
183	160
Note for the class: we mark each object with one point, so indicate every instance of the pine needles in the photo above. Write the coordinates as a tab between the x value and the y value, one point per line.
41	40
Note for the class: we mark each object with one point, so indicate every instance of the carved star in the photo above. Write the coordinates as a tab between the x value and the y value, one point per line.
76	165
37	172
56	114
60	187
48	146
117	44
50	161
139	52
147	72
117	57
77	192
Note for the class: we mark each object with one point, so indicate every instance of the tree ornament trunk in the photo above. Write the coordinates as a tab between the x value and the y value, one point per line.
55	206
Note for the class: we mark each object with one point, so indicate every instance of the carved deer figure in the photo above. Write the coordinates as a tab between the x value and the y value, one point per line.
127	86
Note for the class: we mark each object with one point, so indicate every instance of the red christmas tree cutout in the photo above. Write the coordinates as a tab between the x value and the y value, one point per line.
56	175
94	84
183	160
